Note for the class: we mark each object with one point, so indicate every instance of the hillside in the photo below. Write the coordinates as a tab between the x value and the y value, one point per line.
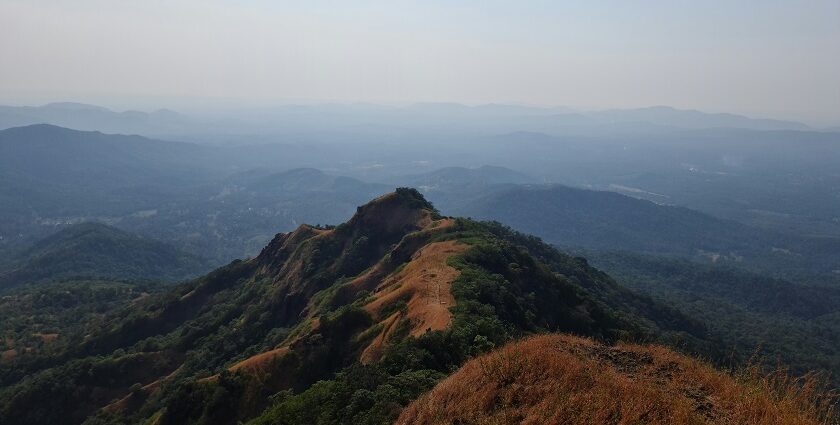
55	155
53	176
571	380
98	251
44	319
579	218
196	197
779	180
780	320
368	314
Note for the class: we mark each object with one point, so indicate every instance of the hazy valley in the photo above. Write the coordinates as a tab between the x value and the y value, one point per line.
254	277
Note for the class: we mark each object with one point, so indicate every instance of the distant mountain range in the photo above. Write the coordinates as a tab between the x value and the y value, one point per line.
81	116
279	119
690	118
56	155
51	176
351	319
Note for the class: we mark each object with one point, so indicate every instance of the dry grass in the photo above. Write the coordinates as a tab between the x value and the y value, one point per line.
257	363
374	351
123	404
424	284
372	277
425	280
46	338
560	379
8	355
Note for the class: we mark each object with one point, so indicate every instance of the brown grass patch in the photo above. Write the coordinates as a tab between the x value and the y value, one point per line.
46	338
372	276
424	285
374	351
254	365
124	404
563	379
259	362
188	295
8	355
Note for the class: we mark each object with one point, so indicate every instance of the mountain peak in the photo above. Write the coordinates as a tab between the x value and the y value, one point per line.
402	197
379	223
396	211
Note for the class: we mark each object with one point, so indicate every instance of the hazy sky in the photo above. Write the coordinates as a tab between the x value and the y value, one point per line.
763	57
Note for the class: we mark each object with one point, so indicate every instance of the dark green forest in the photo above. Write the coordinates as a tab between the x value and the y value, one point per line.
98	251
759	318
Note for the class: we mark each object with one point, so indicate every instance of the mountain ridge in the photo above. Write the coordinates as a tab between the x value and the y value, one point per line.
397	290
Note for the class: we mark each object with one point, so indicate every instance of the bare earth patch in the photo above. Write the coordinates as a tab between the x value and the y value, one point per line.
424	285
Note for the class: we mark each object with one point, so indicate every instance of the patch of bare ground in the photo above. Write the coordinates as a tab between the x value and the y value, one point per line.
561	379
424	286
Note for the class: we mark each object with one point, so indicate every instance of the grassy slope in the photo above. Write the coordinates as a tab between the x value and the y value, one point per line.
570	380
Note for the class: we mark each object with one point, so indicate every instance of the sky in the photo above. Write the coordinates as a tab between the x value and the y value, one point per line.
764	58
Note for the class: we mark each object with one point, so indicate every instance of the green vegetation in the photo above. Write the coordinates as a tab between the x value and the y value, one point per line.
496	302
297	293
97	251
413	199
43	319
576	218
278	339
796	325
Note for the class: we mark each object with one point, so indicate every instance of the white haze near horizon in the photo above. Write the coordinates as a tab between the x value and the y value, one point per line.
767	58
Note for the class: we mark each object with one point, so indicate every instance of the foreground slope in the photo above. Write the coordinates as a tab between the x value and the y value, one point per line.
564	379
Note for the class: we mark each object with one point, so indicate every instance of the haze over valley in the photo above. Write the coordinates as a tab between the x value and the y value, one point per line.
220	213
